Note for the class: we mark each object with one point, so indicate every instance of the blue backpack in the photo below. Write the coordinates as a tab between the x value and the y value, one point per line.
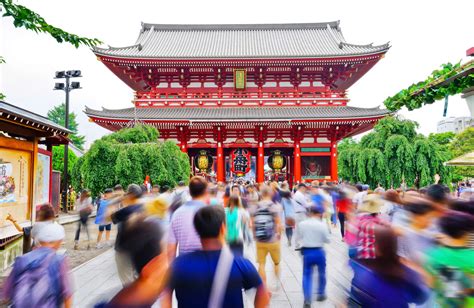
36	279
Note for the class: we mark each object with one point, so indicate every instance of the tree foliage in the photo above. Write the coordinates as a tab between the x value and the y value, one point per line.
58	159
463	143
128	156
58	116
23	17
430	90
393	154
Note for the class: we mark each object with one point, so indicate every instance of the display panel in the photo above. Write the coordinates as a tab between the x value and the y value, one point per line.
14	184
315	167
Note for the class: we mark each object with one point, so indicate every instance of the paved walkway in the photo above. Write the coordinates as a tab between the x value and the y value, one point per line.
97	279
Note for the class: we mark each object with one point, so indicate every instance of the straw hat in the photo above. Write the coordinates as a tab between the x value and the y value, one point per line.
372	204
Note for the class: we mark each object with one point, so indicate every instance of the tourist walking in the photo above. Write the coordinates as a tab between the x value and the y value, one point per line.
343	207
131	206
385	281
84	207
213	277
267	231
236	219
289	214
301	206
100	217
41	278
313	234
181	231
142	240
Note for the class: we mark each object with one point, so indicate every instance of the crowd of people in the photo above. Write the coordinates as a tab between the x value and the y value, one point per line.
405	247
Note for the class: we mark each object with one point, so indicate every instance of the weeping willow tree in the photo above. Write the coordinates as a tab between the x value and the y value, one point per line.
392	154
127	157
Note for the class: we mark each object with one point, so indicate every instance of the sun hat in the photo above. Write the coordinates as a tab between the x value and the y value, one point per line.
51	233
372	204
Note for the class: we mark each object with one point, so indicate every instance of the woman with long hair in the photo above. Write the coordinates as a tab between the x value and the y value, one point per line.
385	279
236	219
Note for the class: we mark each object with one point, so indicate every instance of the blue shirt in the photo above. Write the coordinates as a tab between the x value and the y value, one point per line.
192	275
100	217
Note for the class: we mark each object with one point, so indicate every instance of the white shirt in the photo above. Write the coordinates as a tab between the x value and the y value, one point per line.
359	198
301	202
312	233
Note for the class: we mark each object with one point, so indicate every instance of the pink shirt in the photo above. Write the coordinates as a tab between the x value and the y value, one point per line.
182	231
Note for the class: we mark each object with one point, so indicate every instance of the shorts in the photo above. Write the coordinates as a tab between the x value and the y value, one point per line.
105	227
272	248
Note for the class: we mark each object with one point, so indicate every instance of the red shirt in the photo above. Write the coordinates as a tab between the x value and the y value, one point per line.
343	205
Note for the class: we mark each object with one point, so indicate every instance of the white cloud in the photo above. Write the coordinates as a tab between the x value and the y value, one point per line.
424	34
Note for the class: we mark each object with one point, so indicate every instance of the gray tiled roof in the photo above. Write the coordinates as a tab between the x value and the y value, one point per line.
237	114
241	41
15	111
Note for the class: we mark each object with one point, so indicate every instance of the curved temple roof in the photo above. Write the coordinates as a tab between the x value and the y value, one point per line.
304	40
238	114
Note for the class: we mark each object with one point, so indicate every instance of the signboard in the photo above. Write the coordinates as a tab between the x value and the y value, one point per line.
315	167
240	161
42	180
14	184
240	79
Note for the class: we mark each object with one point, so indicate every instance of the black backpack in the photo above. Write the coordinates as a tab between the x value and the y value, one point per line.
264	222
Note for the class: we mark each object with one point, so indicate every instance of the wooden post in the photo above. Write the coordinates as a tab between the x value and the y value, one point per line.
297	162
220	162
334	161
260	163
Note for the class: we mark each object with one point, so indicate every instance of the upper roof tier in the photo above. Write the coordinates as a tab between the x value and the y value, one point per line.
301	40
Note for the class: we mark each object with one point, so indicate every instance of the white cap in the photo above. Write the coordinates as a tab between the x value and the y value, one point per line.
51	233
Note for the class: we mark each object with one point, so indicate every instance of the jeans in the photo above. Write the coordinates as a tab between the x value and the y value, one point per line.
342	221
289	233
313	257
82	222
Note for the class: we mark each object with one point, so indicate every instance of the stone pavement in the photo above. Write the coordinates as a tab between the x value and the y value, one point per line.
97	279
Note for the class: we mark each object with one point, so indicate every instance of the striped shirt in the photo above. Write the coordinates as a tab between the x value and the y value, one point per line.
182	231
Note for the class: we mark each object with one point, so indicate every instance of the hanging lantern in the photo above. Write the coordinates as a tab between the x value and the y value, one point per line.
203	161
240	159
277	161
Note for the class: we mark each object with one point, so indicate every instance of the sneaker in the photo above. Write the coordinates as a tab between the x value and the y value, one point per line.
99	246
321	298
76	246
307	305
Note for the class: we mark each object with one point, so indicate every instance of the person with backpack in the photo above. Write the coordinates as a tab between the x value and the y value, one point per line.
41	277
267	230
213	277
236	220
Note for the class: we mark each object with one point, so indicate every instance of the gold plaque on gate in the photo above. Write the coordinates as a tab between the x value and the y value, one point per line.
240	79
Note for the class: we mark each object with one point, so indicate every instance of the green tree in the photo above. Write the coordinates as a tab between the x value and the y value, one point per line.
392	153
23	17
463	143
58	115
58	159
128	156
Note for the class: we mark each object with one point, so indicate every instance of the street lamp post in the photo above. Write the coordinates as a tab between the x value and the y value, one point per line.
66	87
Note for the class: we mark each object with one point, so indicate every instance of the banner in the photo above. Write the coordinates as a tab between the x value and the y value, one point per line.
42	180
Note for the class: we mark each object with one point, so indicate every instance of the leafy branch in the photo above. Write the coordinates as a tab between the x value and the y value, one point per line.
23	17
2	96
434	87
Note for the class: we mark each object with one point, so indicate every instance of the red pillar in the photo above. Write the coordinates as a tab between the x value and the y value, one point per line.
220	163
260	163
297	162
334	161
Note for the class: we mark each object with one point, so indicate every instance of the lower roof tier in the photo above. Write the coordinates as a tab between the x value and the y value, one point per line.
232	114
282	122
